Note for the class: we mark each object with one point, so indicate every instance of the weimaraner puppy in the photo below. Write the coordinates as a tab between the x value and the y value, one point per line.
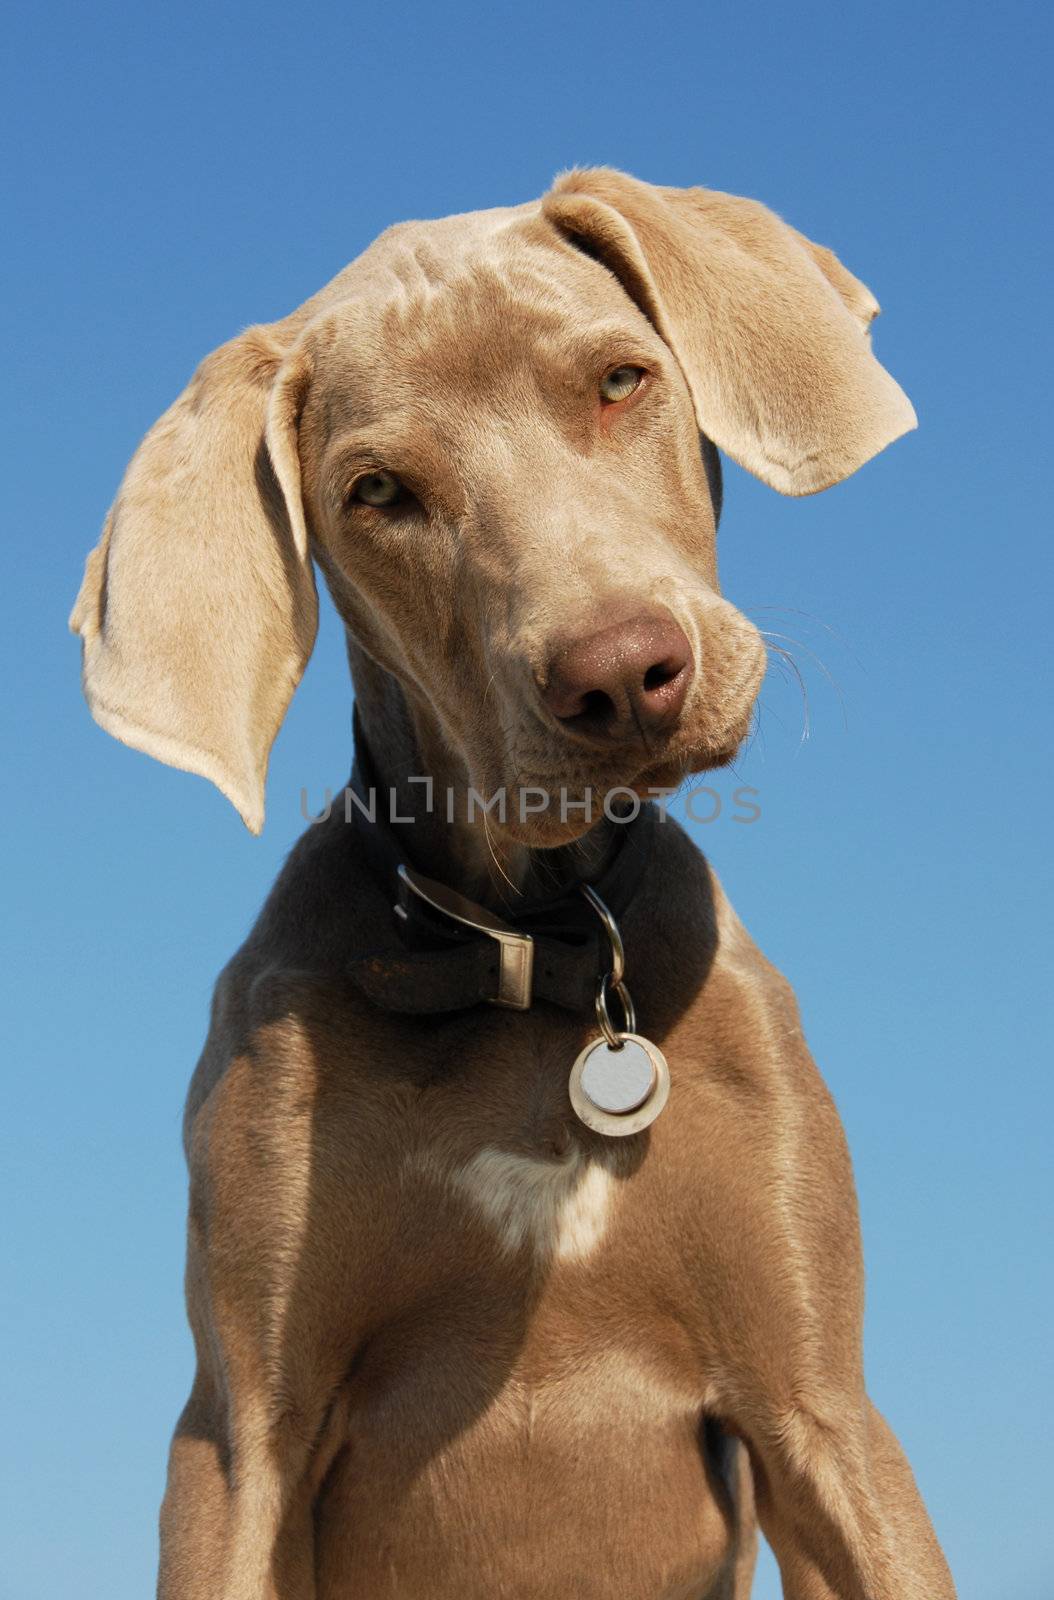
523	1248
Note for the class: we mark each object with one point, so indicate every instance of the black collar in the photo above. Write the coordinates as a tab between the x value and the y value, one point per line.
450	954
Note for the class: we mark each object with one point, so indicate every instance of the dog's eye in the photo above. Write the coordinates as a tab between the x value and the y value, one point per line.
619	383
378	489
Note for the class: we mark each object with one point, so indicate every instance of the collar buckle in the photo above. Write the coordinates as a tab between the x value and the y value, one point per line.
516	950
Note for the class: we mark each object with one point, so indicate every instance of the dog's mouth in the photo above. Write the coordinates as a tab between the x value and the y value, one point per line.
543	810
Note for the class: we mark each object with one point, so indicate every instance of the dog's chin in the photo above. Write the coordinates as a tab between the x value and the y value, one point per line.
614	791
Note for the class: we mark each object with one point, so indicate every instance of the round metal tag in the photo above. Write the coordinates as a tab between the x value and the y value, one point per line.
619	1092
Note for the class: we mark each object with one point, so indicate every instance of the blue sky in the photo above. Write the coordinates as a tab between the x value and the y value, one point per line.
181	172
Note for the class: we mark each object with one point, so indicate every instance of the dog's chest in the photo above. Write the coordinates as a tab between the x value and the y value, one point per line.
483	1478
500	1289
497	1144
560	1209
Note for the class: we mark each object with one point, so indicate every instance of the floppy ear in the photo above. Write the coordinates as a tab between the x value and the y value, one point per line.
771	331
198	609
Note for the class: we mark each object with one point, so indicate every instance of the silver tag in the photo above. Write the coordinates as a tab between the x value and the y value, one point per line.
619	1091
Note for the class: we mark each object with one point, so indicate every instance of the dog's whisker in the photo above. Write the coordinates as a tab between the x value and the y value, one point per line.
831	679
494	856
490	685
786	655
809	616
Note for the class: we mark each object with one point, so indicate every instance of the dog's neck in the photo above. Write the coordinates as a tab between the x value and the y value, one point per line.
405	742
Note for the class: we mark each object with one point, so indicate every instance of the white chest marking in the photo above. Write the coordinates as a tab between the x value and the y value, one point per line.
563	1208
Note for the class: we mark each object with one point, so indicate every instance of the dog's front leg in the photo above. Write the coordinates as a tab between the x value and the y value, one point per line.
248	1456
837	1502
835	1496
236	1524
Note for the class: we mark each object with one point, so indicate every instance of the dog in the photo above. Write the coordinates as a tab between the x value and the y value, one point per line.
465	1325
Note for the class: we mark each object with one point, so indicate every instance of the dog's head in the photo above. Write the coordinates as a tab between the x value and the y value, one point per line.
487	432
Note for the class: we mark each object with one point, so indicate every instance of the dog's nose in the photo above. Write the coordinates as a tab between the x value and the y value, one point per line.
624	680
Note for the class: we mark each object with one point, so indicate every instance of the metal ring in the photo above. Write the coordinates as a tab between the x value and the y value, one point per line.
611	928
613	1035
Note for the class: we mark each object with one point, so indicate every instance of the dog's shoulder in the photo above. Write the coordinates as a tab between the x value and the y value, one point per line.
694	932
737	1005
285	993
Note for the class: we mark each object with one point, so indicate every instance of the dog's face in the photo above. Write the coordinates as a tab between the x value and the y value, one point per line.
503	473
488	432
